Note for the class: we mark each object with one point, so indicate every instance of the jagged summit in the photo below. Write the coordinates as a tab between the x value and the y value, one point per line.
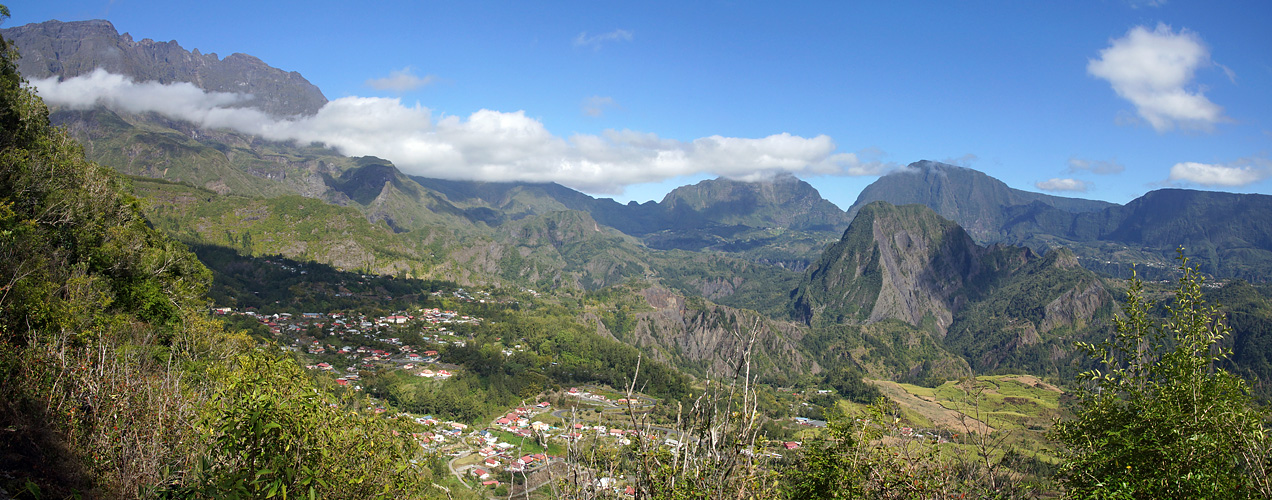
70	49
899	262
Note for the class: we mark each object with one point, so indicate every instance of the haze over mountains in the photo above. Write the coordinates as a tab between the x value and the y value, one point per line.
935	271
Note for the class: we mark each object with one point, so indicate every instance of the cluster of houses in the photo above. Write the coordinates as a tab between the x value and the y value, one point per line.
518	421
322	335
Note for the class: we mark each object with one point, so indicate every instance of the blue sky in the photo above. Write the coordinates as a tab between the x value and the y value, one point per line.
1101	99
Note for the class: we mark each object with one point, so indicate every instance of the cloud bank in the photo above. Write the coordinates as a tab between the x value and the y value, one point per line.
1154	71
487	145
1239	173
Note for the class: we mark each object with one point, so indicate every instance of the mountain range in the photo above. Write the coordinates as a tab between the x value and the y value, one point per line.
935	271
67	50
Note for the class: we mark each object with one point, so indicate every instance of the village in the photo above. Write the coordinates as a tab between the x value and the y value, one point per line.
520	449
510	448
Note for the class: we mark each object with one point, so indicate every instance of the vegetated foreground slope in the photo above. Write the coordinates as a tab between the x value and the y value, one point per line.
115	382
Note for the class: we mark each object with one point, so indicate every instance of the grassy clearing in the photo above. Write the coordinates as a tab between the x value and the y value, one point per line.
1004	402
1014	411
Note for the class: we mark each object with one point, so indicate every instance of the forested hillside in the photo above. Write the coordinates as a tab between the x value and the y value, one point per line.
201	313
115	383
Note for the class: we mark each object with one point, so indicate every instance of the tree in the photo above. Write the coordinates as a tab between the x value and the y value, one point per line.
1156	418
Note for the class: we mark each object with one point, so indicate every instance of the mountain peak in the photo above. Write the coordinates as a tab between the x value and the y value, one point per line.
936	165
974	200
781	201
70	49
893	262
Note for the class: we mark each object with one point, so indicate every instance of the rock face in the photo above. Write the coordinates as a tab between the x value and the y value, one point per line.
923	265
709	340
905	263
67	50
1074	307
996	307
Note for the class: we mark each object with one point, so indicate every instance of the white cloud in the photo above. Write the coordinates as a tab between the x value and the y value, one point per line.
487	145
401	80
1154	70
1066	185
595	41
1097	167
1242	172
120	92
596	105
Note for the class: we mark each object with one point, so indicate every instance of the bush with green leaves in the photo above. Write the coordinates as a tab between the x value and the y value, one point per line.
273	433
1156	417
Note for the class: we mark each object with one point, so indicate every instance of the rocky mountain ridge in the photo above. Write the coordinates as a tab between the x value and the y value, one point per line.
925	293
992	305
71	49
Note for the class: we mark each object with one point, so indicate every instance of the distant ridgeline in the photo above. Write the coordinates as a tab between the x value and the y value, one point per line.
67	50
1229	235
934	271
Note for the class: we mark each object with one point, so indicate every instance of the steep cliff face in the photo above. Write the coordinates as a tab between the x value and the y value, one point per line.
708	339
1031	318
67	50
997	306
924	263
905	263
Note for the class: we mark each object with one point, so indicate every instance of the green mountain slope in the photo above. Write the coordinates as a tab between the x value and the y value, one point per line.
996	307
223	161
1030	319
384	194
289	225
905	263
568	249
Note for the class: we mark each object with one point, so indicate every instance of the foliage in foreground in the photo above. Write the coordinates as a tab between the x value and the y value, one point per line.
270	432
114	382
1156	418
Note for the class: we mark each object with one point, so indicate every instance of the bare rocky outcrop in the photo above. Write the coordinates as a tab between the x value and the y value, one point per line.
920	272
709	339
1075	307
905	263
